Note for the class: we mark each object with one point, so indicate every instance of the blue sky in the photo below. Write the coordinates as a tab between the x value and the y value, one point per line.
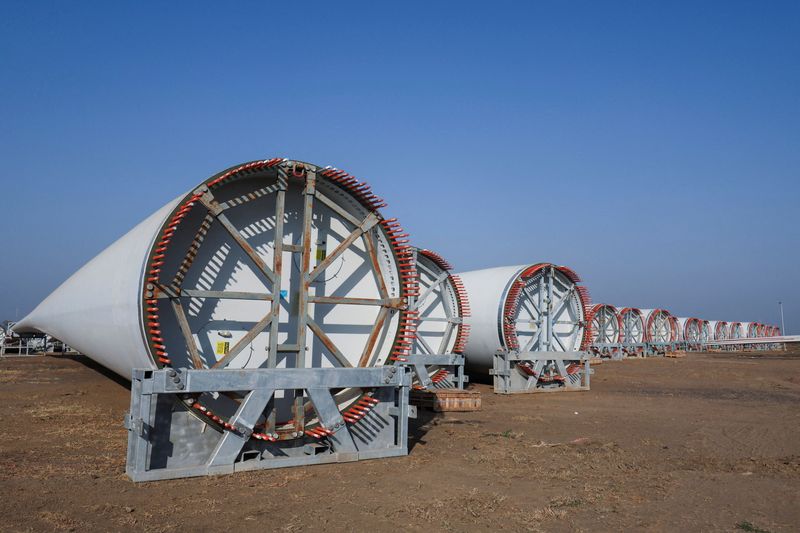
652	146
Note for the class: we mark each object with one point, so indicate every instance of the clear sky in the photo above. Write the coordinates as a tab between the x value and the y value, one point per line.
652	146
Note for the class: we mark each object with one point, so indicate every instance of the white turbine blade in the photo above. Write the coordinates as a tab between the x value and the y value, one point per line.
96	310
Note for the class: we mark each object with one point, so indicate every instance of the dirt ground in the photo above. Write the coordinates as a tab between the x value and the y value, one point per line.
708	442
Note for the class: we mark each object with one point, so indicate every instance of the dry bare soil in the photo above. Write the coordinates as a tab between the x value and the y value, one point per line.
709	442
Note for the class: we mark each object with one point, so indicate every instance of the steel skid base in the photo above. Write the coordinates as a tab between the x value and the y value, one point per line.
660	349
631	350
166	440
642	349
520	372
608	350
434	372
690	346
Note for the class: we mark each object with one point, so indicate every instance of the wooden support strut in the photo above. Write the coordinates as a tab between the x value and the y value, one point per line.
277	268
327	342
376	269
393	303
191	253
244	341
298	411
363	227
187	332
373	336
443	277
207	199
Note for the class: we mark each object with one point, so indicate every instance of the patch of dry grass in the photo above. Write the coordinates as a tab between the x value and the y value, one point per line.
59	521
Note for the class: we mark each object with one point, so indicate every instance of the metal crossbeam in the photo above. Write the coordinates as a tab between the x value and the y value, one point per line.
420	365
166	441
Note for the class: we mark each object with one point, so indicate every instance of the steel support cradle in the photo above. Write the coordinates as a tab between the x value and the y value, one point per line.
653	348
166	440
448	370
611	350
519	372
621	350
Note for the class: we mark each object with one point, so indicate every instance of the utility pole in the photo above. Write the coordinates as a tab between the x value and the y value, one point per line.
783	327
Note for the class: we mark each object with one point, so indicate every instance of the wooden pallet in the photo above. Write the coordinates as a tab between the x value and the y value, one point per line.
447	400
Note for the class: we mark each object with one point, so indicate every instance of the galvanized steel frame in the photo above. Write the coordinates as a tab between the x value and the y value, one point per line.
421	365
523	372
166	443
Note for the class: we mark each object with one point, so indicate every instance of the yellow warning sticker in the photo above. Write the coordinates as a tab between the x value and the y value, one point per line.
223	347
322	253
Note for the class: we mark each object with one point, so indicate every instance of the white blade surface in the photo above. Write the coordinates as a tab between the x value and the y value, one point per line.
96	310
